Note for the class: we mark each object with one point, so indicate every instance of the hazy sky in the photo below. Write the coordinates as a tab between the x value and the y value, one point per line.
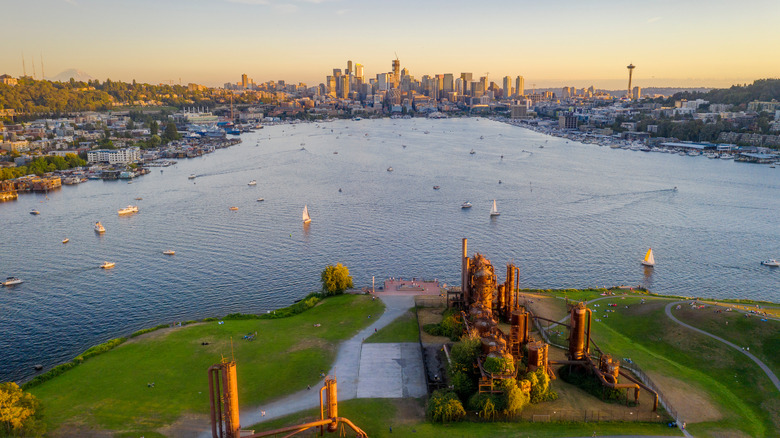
550	43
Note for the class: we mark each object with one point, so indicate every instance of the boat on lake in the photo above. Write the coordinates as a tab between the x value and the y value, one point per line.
35	212
649	259
472	152
128	210
389	169
138	199
260	199
233	208
305	216
99	228
252	183
11	281
494	209
466	204
771	262
192	176
169	252
436	187
107	265
66	240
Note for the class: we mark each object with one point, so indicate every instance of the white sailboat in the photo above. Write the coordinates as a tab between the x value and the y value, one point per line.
306	217
649	259
494	210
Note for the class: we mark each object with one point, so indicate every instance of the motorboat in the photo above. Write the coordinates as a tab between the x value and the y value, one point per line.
260	199
11	281
35	212
771	262
389	169
107	265
305	216
252	183
138	199
128	210
472	152
436	187
99	228
466	204
494	210
233	208
169	252
649	259
192	176
66	240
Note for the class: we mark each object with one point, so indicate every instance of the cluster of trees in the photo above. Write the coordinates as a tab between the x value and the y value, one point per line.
20	413
445	406
33	97
42	165
762	90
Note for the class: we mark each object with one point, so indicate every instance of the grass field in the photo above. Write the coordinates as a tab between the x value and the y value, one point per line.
406	417
403	329
111	391
744	396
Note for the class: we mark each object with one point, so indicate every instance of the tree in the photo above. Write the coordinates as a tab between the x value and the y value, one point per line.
154	127
335	279
170	133
444	407
19	412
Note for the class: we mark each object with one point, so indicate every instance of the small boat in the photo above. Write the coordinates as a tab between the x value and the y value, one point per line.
335	152
305	216
169	252
99	228
260	199
192	176
11	281
107	265
466	204
541	146
389	169
649	259
771	262
35	212
494	209
233	208
339	189
128	210
66	240
138	199
436	187
252	183
472	152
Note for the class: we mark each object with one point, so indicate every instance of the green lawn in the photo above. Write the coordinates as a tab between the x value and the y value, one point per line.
376	416
110	391
743	394
403	329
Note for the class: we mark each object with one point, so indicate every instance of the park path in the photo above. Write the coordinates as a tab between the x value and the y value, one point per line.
758	362
345	369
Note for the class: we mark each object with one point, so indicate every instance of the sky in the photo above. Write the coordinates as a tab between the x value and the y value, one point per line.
551	43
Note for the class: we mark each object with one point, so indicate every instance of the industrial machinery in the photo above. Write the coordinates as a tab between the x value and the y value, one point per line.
223	394
483	300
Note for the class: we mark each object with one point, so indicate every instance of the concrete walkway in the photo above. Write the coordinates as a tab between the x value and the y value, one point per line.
758	362
345	369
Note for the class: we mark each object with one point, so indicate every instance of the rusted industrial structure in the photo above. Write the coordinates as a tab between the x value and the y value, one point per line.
223	394
484	300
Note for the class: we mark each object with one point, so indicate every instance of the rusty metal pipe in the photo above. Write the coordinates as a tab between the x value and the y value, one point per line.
211	399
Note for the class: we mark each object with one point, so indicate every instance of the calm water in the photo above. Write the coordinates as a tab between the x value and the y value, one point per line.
572	215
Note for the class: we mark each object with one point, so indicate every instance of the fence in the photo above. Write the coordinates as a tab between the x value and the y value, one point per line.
536	416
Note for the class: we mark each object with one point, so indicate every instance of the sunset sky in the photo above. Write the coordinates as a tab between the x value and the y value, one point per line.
555	43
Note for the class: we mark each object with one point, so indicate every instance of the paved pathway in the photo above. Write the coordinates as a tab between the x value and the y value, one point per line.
345	369
758	362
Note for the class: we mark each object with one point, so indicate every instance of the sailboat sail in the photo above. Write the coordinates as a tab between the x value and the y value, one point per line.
649	259
494	210
306	218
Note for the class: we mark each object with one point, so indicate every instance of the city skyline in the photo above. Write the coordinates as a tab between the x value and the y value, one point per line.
211	42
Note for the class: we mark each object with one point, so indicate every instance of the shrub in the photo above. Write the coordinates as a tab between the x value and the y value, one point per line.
540	386
301	306
149	330
444	407
464	354
486	405
240	316
499	365
99	349
463	384
52	373
451	326
591	384
513	398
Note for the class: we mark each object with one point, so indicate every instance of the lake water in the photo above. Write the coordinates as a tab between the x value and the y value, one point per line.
572	215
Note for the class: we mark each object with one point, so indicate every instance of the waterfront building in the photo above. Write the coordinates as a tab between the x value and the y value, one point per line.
567	121
114	156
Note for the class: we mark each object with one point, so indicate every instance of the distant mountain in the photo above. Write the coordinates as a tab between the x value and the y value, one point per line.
71	73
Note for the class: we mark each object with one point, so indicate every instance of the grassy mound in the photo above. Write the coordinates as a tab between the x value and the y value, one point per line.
113	390
403	329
